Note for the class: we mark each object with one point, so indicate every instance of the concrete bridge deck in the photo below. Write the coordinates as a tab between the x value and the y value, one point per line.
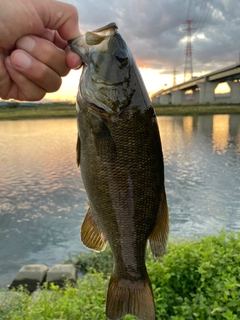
203	89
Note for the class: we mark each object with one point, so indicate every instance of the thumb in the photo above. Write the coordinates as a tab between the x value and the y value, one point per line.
60	16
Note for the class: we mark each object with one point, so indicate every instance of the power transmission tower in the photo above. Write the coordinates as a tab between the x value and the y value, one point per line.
188	69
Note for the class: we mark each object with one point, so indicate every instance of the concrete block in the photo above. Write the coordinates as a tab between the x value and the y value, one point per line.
59	273
31	276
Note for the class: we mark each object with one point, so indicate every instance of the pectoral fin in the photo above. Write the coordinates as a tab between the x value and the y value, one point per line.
78	150
91	236
158	237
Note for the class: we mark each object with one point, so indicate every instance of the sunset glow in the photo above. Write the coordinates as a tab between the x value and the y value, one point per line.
152	78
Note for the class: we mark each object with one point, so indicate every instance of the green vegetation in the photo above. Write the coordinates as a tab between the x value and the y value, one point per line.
196	109
93	262
16	111
195	280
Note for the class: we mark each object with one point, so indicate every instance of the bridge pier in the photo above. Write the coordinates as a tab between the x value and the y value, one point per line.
165	99
156	100
177	96
206	94
235	91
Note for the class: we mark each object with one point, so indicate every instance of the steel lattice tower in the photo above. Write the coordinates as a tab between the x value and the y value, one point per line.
188	69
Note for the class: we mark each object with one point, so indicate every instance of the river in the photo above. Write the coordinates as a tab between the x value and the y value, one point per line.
43	201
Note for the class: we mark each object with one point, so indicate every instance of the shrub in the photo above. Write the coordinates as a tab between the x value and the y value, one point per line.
83	302
13	105
194	280
92	262
199	280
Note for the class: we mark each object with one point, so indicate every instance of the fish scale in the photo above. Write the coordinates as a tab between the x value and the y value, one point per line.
121	162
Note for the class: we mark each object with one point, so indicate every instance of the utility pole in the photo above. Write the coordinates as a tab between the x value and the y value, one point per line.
188	68
174	77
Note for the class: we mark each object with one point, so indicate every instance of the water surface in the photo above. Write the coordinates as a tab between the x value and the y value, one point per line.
42	198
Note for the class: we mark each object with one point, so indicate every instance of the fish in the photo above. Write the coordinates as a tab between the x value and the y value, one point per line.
121	161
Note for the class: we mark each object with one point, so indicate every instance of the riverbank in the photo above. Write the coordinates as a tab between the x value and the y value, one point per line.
17	111
194	280
170	110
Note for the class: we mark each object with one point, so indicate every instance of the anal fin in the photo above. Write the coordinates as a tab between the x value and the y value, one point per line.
130	297
158	237
91	236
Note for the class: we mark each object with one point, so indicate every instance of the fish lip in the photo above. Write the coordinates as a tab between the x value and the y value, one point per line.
71	41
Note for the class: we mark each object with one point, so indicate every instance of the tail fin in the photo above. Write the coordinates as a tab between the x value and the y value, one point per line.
130	297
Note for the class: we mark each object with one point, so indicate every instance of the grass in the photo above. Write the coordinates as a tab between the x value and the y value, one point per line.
196	109
195	280
16	111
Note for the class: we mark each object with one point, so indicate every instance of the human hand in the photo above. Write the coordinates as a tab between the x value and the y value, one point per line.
31	65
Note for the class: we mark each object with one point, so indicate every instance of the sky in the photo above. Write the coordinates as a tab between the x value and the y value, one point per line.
156	34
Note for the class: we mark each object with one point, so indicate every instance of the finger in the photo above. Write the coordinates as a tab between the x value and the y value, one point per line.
62	17
5	81
45	52
53	36
73	60
22	88
35	70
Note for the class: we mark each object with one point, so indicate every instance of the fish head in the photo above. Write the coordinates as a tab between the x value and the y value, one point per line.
106	74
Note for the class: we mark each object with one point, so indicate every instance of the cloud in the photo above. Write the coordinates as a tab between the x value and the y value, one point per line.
154	30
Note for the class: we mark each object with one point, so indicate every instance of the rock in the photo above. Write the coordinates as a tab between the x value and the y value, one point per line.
60	273
31	276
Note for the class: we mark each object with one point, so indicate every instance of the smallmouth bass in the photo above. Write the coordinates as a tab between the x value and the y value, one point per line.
120	156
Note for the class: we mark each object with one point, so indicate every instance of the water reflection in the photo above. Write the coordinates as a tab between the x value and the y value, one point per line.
202	172
188	126
42	198
220	135
238	141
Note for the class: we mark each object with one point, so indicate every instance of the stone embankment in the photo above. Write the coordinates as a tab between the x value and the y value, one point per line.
33	276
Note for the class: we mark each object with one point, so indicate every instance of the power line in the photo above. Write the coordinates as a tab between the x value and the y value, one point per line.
202	13
189	8
207	12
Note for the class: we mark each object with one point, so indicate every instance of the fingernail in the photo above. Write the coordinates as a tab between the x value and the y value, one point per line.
8	63
21	60
26	43
73	60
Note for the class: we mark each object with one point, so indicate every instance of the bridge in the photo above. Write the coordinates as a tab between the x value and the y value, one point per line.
202	89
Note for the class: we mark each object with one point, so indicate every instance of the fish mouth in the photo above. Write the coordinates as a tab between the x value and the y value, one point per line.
93	108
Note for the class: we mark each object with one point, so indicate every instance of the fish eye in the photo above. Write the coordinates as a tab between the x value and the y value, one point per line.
121	56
